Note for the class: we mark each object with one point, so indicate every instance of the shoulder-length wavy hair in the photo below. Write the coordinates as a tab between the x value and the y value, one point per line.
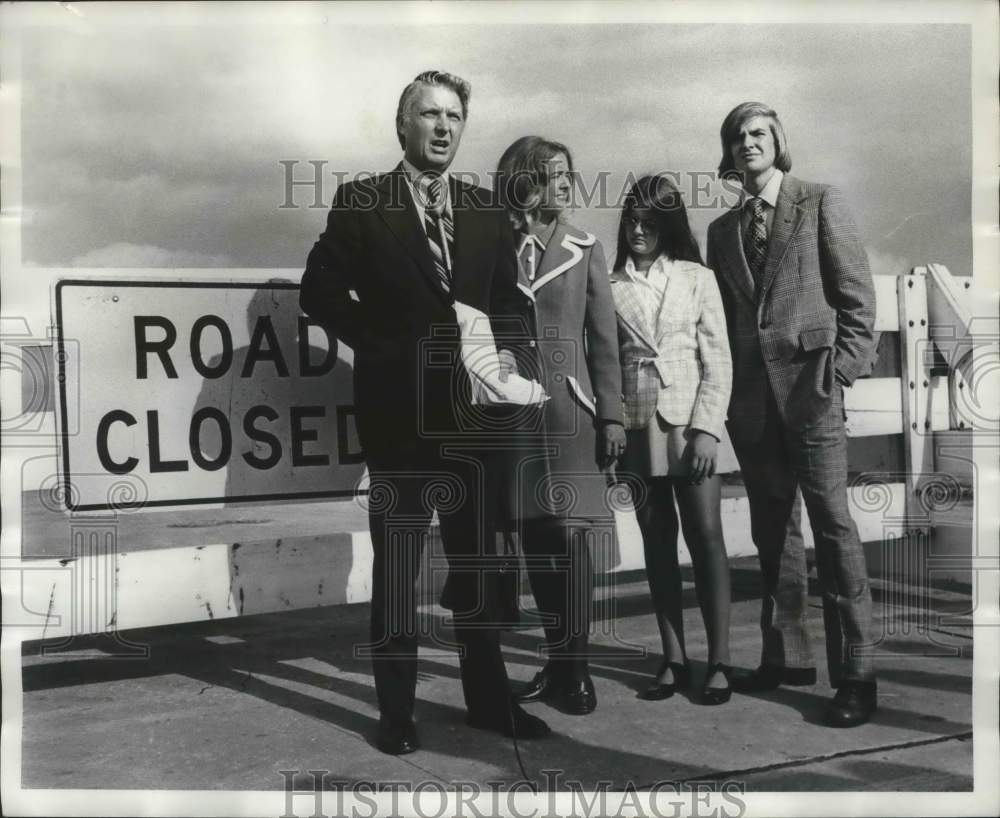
730	132
522	176
658	194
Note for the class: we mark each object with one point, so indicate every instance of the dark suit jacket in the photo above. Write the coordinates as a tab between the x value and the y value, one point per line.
809	323
371	279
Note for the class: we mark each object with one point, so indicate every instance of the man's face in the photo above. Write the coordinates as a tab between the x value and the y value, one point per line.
432	128
754	150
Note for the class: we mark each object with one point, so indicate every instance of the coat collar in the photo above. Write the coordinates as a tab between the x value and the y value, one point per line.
629	295
731	247
563	252
787	219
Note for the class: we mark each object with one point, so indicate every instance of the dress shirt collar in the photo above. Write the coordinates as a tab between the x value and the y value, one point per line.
539	235
657	268
770	192
419	182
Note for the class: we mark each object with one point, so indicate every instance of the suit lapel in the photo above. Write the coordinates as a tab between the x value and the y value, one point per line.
395	207
674	296
628	304
787	218
735	266
467	234
561	254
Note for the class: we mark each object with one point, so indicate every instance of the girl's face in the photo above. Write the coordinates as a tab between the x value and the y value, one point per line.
641	232
559	186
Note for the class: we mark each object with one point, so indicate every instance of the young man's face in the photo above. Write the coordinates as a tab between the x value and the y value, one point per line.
753	149
433	128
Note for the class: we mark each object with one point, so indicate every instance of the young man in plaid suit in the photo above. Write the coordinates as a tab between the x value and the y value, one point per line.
800	308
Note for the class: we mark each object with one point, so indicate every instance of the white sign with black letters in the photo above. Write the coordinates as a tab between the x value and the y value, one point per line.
201	392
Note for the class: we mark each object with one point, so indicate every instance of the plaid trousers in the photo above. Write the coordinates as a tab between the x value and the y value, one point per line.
781	469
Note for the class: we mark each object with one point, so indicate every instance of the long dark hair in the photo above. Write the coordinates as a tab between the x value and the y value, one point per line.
658	194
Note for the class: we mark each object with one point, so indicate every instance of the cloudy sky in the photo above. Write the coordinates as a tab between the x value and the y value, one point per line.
154	138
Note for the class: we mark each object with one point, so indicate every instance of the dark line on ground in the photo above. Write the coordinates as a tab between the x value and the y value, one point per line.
728	775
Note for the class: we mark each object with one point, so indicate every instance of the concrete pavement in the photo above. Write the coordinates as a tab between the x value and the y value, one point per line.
229	704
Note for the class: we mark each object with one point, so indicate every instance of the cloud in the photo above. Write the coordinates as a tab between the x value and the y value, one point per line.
883	263
125	254
166	132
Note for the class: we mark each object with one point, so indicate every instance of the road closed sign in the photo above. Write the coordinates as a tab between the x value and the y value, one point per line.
199	392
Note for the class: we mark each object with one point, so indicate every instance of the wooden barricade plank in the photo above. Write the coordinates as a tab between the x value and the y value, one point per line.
916	360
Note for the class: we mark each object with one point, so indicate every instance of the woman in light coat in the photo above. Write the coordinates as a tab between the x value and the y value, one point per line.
677	376
562	497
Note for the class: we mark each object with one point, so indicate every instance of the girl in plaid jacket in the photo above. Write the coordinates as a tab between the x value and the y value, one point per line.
676	377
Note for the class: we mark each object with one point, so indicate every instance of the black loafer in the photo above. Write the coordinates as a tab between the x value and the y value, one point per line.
657	691
509	723
577	697
397	738
542	687
853	705
798	676
769	677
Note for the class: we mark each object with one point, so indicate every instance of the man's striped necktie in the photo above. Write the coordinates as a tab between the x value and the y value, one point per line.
755	239
440	231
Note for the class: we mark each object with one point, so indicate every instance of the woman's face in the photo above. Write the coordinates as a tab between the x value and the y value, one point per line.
641	232
559	187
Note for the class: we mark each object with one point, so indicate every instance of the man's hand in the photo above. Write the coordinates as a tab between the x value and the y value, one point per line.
614	443
701	453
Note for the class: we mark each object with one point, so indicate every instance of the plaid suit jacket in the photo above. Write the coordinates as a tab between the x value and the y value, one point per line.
807	327
679	363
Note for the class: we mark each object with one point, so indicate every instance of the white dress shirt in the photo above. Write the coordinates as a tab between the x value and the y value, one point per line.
418	182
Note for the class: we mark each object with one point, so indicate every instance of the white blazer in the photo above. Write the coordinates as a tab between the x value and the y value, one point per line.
674	351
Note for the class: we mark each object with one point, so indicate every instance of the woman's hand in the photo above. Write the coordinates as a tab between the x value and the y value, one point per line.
701	452
614	443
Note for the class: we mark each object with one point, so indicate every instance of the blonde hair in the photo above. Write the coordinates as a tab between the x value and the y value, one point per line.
522	176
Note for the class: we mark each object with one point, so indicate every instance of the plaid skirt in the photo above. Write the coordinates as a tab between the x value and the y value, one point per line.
657	450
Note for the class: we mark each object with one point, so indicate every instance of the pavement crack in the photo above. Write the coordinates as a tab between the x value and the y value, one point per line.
719	775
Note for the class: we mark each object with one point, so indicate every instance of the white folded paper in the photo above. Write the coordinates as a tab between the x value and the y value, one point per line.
482	362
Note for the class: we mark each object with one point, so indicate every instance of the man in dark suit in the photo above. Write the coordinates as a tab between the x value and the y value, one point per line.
800	309
399	250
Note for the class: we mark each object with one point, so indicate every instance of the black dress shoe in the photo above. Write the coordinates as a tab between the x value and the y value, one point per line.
853	705
541	688
798	676
576	697
657	691
717	695
509	722
769	677
397	738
